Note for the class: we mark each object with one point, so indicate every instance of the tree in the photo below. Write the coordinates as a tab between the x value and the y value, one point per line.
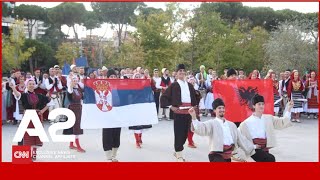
13	55
67	13
66	53
91	21
6	10
290	47
32	14
155	35
119	14
131	55
253	51
43	56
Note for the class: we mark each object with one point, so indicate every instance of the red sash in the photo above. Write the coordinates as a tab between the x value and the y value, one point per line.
227	151
183	111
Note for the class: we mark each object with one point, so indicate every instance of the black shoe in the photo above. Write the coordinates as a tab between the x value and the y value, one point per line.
15	122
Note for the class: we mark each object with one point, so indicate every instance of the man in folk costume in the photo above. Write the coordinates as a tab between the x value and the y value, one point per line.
260	128
232	75
181	96
54	86
81	72
111	136
223	134
165	83
155	84
173	77
104	71
201	81
39	88
312	96
283	88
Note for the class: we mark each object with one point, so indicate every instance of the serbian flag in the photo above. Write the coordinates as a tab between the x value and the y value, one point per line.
237	95
110	103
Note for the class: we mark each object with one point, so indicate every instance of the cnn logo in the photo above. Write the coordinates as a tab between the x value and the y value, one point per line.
21	154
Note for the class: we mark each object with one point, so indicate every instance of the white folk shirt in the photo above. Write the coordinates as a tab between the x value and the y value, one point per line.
256	127
185	92
158	82
227	138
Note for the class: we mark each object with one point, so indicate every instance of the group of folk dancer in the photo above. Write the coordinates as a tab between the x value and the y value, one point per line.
255	135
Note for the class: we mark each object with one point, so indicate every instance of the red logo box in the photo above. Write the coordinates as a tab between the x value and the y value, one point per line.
21	154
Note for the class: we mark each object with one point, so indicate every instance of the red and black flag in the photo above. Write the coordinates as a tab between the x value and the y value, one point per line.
237	95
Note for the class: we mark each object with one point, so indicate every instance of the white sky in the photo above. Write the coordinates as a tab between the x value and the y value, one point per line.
304	7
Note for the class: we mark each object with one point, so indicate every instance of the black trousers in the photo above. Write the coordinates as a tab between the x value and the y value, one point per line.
262	156
110	138
181	125
217	158
157	99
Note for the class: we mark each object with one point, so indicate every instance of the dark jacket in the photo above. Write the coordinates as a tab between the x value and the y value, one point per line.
172	96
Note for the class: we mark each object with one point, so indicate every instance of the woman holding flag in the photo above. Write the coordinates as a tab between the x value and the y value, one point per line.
139	129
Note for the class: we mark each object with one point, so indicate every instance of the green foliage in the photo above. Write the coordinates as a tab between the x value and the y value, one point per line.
290	47
66	53
12	53
43	56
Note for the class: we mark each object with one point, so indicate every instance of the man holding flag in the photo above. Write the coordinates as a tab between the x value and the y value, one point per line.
111	136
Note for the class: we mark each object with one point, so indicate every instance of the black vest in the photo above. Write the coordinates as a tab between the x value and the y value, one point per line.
165	81
51	81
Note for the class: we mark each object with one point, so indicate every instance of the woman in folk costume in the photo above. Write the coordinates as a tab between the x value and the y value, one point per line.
156	88
38	102
295	90
260	128
223	134
276	95
313	99
181	95
21	88
165	83
111	136
140	128
201	79
74	95
11	101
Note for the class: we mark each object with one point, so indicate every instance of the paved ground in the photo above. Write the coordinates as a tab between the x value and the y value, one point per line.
295	144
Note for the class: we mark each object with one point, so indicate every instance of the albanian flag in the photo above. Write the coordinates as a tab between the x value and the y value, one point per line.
237	95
